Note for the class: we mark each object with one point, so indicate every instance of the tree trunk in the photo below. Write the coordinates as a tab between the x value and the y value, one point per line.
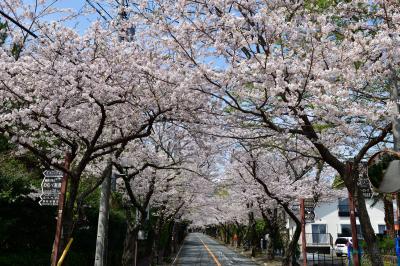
290	253
270	248
368	231
389	216
68	218
252	234
273	239
167	250
350	179
272	225
154	254
128	255
226	236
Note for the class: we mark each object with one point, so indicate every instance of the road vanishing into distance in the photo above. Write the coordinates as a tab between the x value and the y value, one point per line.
199	249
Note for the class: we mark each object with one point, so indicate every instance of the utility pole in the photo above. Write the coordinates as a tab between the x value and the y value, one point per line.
61	200
396	147
303	232
102	225
356	261
104	208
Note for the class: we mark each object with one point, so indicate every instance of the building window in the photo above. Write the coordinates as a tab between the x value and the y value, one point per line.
344	208
319	235
381	228
346	230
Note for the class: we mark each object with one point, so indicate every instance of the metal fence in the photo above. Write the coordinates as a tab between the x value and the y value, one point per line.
325	260
319	239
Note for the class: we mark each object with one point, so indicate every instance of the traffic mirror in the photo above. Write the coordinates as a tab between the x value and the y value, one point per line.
384	171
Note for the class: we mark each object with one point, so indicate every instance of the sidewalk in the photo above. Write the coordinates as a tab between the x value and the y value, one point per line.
260	259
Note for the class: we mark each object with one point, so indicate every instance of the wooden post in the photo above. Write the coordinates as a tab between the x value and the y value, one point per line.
303	232
61	200
353	230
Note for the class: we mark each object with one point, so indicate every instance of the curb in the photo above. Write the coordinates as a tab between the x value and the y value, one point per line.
179	252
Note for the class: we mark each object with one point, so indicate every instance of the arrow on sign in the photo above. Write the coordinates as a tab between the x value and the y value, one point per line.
53	173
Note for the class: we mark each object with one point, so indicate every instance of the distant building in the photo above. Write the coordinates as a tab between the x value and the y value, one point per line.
332	220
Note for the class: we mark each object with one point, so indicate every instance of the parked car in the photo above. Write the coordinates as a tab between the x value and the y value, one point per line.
341	246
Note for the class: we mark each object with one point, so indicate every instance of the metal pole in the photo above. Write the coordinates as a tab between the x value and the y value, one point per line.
396	142
396	229
353	230
102	225
303	232
61	200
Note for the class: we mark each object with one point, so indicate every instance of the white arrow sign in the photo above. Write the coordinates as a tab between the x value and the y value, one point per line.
51	186
53	173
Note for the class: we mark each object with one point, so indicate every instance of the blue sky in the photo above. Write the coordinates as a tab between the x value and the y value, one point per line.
80	23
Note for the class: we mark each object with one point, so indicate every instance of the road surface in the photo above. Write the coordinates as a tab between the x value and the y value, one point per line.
201	250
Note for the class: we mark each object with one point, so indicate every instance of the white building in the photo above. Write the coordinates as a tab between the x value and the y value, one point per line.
332	220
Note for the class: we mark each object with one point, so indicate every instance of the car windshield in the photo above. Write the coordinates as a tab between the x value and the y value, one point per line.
341	241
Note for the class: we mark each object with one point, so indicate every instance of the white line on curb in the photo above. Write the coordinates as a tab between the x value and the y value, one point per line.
179	251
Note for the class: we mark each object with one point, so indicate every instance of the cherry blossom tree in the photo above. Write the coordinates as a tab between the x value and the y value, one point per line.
159	174
294	70
310	82
283	179
86	96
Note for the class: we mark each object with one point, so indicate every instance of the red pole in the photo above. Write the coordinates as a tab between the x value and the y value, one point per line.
353	230
303	232
61	200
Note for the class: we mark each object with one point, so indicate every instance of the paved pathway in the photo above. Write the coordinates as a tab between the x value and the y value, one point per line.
201	250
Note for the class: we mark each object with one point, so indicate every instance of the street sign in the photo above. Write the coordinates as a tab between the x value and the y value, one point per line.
309	203
142	235
365	187
51	187
309	206
309	217
295	207
52	173
308	209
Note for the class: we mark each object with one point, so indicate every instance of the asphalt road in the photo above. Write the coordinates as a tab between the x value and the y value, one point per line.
201	250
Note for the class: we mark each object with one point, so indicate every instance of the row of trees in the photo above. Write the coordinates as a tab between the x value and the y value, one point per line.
266	99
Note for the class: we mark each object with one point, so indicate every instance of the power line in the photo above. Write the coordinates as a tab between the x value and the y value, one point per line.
104	10
97	10
18	24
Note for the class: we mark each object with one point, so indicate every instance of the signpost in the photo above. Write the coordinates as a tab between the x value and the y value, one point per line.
60	212
303	231
51	187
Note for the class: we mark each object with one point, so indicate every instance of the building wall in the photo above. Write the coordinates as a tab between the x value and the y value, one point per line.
327	214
